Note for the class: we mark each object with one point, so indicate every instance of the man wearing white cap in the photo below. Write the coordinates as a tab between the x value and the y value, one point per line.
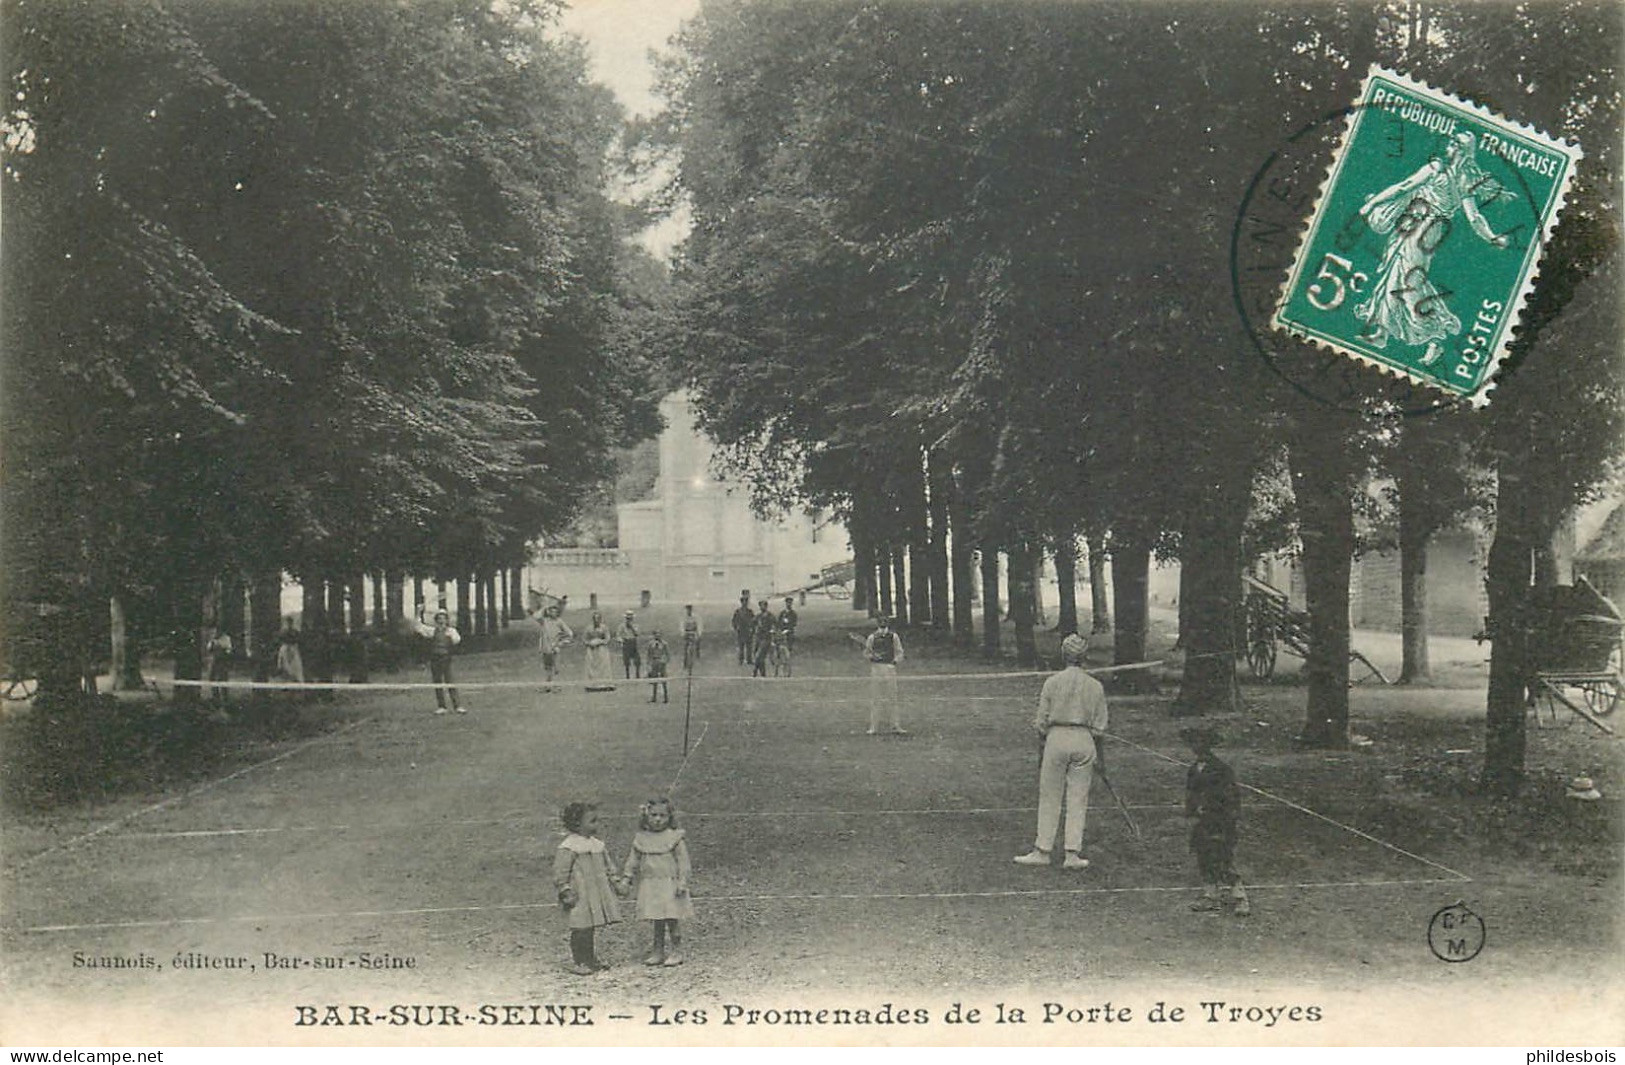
1071	712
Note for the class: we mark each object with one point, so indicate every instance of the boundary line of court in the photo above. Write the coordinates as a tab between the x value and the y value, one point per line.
429	911
695	815
1459	875
198	789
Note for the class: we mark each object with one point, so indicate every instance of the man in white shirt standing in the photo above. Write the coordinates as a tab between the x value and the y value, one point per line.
555	635
884	650
1071	713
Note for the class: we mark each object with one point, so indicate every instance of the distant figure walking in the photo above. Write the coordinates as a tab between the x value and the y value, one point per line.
217	660
596	641
627	634
692	631
442	638
659	660
884	650
761	640
556	635
289	662
744	622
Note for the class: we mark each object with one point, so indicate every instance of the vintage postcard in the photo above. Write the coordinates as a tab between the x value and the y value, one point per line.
675	523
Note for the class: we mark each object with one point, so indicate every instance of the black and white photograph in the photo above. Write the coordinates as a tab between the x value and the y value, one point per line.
830	523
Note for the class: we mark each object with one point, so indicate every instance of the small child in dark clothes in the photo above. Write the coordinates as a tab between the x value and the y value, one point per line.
1214	800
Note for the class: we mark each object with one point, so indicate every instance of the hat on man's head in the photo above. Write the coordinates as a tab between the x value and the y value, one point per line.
631	614
1200	737
1073	648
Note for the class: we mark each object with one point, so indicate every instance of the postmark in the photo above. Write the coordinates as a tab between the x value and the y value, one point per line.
1425	239
1456	933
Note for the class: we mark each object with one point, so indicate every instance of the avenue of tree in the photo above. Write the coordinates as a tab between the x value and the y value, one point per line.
328	289
965	266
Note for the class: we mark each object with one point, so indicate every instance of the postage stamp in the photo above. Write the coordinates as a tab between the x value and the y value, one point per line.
1425	240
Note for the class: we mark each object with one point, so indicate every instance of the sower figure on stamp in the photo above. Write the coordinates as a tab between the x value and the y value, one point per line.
884	650
442	638
1416	214
1214	800
1071	713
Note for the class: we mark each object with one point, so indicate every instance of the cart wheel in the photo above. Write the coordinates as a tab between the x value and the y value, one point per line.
839	591
1601	696
18	689
1261	658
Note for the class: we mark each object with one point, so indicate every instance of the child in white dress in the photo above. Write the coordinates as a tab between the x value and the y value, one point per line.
659	866
581	876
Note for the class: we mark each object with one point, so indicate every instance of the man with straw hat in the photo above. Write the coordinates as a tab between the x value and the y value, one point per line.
1071	712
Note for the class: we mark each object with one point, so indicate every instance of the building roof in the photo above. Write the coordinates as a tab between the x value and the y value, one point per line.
1609	543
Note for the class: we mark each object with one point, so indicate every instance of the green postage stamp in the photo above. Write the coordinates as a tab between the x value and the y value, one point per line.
1426	236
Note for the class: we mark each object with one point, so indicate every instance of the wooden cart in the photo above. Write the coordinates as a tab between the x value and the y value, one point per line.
1577	643
1272	624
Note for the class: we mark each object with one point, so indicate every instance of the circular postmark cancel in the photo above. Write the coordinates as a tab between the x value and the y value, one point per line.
1274	214
1456	933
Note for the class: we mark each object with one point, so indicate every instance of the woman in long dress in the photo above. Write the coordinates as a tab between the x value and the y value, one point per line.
1406	303
596	640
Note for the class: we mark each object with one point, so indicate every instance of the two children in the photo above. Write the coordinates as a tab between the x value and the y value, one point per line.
587	890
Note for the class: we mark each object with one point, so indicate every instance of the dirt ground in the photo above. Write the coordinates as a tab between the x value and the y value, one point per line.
403	859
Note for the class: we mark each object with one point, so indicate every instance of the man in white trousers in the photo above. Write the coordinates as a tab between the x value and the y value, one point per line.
884	650
1071	713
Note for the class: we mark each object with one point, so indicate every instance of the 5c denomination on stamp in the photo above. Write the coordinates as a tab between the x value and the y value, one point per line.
1425	239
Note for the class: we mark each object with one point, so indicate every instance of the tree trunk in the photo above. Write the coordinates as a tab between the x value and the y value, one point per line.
1323	485
125	647
418	603
1066	582
940	484
1131	580
1040	619
492	617
187	625
990	601
358	604
516	593
1100	615
502	587
961	560
1210	594
394	600
919	545
863	563
378	600
1019	581
265	619
465	606
899	596
883	579
1414	535
1182	597
313	642
919	589
479	605
1511	575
